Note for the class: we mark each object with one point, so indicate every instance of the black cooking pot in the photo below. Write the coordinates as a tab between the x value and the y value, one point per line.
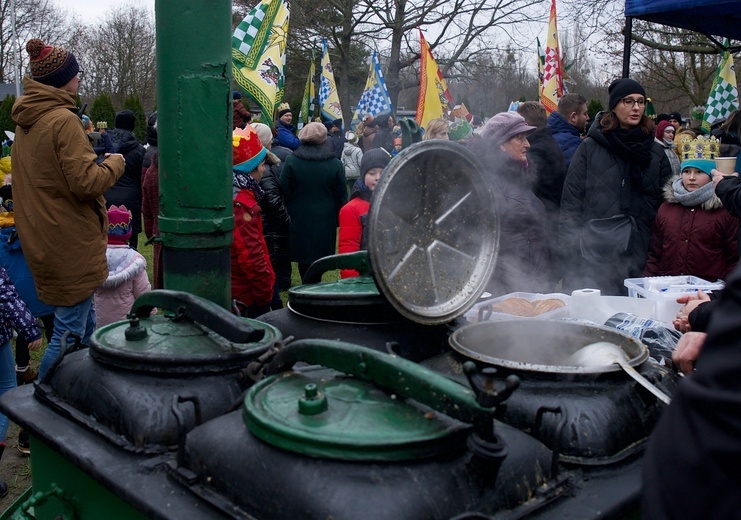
431	253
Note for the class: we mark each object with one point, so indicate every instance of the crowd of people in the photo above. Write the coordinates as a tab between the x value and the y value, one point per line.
580	205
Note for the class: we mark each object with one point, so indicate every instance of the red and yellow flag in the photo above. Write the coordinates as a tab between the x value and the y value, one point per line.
434	97
552	87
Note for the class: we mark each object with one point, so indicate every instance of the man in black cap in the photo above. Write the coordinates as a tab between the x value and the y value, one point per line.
128	189
675	118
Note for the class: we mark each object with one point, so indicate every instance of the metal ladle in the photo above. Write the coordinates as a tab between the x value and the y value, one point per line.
604	353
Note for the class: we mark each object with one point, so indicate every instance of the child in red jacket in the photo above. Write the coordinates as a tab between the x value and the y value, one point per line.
252	274
353	214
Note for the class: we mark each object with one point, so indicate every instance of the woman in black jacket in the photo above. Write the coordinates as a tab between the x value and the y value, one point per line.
612	193
275	219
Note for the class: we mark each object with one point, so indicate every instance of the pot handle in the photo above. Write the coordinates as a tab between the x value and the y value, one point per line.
357	260
198	310
392	373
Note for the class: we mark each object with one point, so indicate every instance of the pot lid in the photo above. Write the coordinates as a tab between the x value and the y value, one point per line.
433	231
323	413
194	336
349	300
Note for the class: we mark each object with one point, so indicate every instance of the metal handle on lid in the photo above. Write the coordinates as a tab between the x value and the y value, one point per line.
199	310
391	373
357	260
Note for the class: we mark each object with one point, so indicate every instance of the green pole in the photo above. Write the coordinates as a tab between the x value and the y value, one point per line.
194	133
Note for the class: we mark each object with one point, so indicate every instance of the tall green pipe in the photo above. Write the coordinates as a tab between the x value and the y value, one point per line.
194	126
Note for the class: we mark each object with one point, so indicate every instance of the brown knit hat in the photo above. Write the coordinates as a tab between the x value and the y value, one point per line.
53	66
313	133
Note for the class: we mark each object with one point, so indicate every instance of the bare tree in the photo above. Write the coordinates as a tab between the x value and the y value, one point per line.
119	57
458	31
33	19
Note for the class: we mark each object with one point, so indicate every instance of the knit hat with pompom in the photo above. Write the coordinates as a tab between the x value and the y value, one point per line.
53	66
119	225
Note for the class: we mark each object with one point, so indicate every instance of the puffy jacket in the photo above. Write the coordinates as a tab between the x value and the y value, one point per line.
351	227
593	191
58	191
566	135
276	221
285	136
699	240
127	280
351	157
14	313
668	147
128	189
252	274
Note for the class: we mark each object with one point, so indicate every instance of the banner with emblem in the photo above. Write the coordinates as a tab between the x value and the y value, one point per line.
375	100
723	97
329	100
259	55
552	86
307	102
434	97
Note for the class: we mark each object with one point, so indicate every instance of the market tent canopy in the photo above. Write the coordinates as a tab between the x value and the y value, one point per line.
719	18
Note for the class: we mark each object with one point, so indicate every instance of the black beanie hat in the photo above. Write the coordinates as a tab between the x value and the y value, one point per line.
125	120
620	88
375	158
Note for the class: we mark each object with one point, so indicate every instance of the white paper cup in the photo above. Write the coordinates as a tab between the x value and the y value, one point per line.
726	165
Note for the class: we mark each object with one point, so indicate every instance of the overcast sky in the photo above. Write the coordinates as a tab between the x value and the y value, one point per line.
93	11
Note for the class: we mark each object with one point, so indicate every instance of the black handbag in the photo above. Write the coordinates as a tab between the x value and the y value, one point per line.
606	238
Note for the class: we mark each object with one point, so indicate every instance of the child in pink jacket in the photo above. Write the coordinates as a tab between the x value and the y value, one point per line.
127	274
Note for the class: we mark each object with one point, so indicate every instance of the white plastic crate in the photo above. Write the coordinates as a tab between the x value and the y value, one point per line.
664	291
482	311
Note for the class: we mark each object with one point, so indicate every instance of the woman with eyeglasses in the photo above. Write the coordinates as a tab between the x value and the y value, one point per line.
612	193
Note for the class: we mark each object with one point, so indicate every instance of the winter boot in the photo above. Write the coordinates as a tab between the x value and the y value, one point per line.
24	375
24	445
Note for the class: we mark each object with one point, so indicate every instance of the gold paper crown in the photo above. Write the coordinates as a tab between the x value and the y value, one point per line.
284	106
700	148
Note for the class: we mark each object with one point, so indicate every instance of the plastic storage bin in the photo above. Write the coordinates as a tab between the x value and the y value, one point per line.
482	311
664	290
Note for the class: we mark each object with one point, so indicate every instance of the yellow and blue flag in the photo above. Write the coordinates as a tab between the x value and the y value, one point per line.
329	100
375	100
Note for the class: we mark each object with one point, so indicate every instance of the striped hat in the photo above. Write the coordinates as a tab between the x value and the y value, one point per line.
53	66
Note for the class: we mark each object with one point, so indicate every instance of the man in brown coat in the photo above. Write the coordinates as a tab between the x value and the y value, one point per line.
58	191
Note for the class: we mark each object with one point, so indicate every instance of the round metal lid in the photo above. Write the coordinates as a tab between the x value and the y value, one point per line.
433	231
176	346
329	415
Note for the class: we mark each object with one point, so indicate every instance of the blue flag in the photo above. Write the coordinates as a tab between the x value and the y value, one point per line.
374	100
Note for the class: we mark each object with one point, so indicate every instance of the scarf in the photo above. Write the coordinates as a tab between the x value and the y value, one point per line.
359	189
692	198
631	144
246	182
634	147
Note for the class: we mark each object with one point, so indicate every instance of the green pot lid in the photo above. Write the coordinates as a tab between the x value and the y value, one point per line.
433	231
349	300
323	413
169	345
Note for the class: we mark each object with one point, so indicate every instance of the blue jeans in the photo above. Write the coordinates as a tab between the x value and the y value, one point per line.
7	381
79	319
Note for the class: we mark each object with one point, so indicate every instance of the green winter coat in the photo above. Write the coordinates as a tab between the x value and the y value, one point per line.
313	186
58	191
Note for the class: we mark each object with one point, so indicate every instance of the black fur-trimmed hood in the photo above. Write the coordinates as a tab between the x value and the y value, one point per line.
314	152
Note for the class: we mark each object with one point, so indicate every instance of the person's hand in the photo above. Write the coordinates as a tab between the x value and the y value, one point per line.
691	302
719	176
106	156
687	350
35	345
